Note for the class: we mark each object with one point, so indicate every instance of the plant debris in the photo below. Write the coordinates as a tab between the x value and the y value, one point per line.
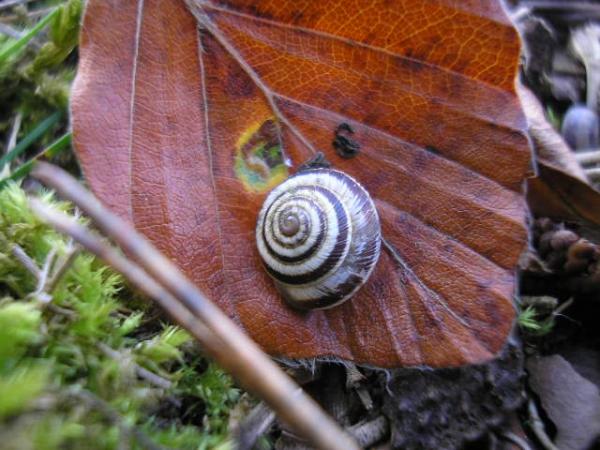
571	401
84	361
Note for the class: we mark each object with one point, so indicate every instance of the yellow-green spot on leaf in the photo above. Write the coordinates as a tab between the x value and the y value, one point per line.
259	161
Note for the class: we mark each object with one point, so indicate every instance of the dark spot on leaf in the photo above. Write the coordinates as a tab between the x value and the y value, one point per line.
297	16
239	84
343	143
432	149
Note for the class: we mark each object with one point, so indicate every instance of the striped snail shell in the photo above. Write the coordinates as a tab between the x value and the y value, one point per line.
319	237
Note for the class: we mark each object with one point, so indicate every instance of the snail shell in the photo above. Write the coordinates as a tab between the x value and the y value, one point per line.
319	237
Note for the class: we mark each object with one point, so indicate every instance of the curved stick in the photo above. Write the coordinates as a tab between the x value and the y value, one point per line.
237	353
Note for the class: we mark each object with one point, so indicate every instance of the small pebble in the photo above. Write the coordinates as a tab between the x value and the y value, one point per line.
581	128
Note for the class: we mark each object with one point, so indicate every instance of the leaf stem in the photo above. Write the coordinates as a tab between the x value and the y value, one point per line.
205	22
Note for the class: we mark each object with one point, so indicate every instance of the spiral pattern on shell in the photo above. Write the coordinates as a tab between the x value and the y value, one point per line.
319	237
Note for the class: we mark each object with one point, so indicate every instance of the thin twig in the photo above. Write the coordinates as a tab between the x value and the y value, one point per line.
46	278
354	379
46	267
593	174
40	292
588	157
517	440
140	371
519	13
257	423
62	266
39	12
232	348
196	9
10	3
537	426
129	269
115	417
492	441
584	43
370	432
9	31
26	261
563	306
60	310
567	4
14	132
31	15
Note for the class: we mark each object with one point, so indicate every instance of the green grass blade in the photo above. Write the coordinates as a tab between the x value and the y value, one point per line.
52	150
33	136
12	48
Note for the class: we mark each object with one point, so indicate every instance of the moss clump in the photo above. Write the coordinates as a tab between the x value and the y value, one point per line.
86	364
37	67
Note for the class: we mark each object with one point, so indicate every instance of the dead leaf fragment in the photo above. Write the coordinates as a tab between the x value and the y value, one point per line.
551	149
184	131
570	400
561	189
585	360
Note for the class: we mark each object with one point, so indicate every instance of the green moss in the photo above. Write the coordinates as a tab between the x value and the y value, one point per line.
530	322
36	71
63	38
75	362
87	363
19	327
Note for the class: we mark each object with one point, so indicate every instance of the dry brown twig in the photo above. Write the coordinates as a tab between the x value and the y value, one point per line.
253	426
159	278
